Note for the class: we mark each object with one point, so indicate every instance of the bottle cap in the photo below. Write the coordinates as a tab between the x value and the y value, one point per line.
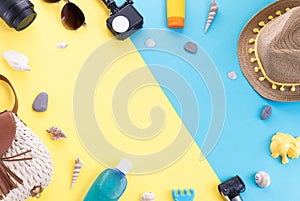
175	22
124	166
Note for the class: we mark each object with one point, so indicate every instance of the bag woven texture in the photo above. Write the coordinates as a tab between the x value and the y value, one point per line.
35	172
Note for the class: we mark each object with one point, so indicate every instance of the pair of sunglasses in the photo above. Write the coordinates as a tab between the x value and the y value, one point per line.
71	16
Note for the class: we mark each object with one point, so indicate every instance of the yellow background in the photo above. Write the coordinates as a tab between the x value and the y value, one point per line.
55	71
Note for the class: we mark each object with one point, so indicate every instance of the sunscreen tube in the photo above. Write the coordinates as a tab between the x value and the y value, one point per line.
175	13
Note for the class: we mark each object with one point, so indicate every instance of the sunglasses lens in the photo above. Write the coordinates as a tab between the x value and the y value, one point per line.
71	16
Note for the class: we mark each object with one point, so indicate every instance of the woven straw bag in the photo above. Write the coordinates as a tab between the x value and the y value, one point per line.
25	162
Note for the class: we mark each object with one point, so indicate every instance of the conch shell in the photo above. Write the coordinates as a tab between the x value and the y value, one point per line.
77	167
148	196
56	133
285	145
211	15
262	179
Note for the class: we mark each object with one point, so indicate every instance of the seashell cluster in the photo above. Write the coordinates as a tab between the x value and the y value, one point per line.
77	167
56	133
211	15
262	179
148	196
16	60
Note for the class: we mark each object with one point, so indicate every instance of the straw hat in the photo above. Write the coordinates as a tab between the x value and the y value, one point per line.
269	51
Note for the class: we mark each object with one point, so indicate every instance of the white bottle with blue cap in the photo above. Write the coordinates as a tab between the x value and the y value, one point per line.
110	184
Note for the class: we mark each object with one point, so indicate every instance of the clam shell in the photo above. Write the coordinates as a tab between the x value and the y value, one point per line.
232	75
148	196
150	43
262	179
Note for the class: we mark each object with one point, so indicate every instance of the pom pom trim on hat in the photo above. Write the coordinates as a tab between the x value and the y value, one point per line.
259	68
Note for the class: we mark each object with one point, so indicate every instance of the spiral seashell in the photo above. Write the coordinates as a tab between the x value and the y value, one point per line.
148	196
77	167
211	15
262	179
56	133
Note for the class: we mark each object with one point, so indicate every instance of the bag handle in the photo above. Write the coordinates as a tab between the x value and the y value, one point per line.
16	105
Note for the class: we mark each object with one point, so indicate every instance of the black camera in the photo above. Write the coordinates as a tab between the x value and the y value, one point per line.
124	20
231	189
18	14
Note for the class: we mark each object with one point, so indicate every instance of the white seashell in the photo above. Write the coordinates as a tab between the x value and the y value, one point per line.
77	167
148	196
211	15
262	179
62	45
16	60
232	75
150	43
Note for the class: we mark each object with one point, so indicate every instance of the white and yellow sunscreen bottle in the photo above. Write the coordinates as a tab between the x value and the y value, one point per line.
175	13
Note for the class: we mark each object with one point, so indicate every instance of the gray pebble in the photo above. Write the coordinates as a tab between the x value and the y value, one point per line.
266	112
191	47
40	103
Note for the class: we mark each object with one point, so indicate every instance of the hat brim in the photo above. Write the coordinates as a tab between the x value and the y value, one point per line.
263	87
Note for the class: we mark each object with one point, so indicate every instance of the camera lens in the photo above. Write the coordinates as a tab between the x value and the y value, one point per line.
18	14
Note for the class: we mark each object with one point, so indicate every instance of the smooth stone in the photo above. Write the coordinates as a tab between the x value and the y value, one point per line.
266	112
40	103
191	47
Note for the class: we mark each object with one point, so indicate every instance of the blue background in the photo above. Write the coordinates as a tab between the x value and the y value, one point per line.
243	147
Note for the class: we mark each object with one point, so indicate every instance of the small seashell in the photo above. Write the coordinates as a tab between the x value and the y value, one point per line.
16	60
211	15
56	133
150	43
232	75
40	103
266	112
148	196
191	47
77	167
262	179
62	45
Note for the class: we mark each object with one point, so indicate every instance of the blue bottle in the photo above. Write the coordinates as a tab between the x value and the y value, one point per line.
110	184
